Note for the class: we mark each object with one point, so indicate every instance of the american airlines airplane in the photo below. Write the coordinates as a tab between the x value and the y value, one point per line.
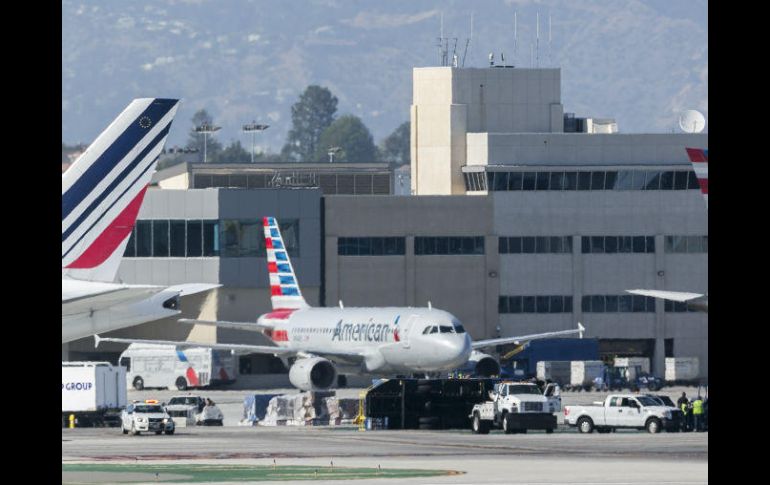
320	343
101	196
697	301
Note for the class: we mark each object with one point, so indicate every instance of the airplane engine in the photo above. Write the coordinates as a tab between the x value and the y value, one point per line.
483	365
313	374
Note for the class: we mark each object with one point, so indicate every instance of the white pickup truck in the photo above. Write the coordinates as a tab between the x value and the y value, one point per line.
516	407
622	411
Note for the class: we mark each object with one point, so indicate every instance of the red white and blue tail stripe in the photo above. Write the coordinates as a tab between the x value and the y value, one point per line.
700	163
284	289
103	190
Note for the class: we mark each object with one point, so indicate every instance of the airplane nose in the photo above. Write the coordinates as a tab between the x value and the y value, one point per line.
461	349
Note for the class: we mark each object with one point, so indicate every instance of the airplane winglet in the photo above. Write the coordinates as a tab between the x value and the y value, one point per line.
97	339
581	329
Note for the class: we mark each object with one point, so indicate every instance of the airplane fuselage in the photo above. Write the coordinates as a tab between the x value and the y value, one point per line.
391	340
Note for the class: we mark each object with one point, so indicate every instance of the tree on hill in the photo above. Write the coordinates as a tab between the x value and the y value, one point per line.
351	135
395	148
310	116
234	153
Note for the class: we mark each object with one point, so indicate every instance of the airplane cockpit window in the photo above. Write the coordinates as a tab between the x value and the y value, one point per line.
434	329
459	328
446	329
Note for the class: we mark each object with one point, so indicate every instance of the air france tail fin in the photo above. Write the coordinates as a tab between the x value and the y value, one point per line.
103	190
284	289
700	163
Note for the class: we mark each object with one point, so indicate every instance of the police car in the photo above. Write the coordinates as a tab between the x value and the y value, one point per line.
146	416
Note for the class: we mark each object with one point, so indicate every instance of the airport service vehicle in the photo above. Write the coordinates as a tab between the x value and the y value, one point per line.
697	301
166	367
319	343
146	416
94	392
192	410
622	411
101	196
516	407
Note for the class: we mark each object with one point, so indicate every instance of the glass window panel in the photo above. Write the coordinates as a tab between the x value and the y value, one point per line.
490	179
467	181
502	305
528	304
585	243
653	181
429	245
597	244
389	245
624	303
542	244
611	303
584	181
210	238
442	245
650	244
378	246
638	303
455	245
502	245
194	239
639	244
342	246
230	233
668	306
160	239
680	180
695	244
178	243
528	180
143	239
570	181
478	245
611	244
131	246
586	304
597	303
692	180
556	304
597	180
541	303
625	244
556	244
667	181
568	244
514	245
501	181
609	180
678	244
705	244
541	182
365	246
514	304
528	244
468	245
650	304
557	180
624	180
514	180
290	234
419	246
568	304
639	180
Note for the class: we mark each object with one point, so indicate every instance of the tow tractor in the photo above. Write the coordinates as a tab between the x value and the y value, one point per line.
516	407
146	416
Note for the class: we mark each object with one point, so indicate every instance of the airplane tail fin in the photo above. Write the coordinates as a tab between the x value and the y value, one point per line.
103	190
700	163
284	289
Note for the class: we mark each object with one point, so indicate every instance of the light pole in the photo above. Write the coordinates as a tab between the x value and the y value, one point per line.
205	129
332	151
253	128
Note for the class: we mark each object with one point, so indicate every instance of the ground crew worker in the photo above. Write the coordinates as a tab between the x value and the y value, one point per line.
697	412
682	403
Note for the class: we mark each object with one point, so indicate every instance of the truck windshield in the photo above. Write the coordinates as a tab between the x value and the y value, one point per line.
523	389
647	401
184	400
140	408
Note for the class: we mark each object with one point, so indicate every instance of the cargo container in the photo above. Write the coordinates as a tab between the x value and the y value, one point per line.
682	370
557	371
551	349
632	363
584	372
92	392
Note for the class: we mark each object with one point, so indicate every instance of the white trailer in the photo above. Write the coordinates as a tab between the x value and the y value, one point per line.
93	392
585	372
557	371
165	366
682	370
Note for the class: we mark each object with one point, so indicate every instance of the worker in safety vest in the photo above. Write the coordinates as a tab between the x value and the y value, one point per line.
697	412
683	403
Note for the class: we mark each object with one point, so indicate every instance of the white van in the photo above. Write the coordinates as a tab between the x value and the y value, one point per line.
176	368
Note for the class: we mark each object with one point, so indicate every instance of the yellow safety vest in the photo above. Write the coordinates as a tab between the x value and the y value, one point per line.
697	407
684	407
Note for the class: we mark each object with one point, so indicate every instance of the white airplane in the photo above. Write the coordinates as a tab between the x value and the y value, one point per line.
697	301
101	196
325	342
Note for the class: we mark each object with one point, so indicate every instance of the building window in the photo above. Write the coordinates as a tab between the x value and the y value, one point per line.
676	307
617	244
194	239
535	244
448	245
371	246
160	239
535	304
588	180
143	239
177	239
131	246
618	304
686	244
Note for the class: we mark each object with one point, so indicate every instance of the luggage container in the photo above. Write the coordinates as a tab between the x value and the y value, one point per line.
682	370
632	363
557	371
584	372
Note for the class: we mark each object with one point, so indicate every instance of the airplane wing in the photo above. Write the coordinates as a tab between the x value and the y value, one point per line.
480	344
348	357
680	296
192	288
82	301
252	326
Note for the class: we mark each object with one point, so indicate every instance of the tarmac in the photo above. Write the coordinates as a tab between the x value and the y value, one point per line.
624	457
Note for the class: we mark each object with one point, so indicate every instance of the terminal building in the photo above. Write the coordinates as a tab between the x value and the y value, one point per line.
523	219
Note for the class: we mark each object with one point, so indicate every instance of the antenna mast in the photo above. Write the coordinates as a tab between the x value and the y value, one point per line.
468	40
537	40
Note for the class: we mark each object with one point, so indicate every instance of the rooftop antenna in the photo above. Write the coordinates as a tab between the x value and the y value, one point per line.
491	59
468	41
502	59
537	40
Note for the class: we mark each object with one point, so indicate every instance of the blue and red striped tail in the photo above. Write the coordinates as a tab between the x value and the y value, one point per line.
284	288
103	190
700	163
